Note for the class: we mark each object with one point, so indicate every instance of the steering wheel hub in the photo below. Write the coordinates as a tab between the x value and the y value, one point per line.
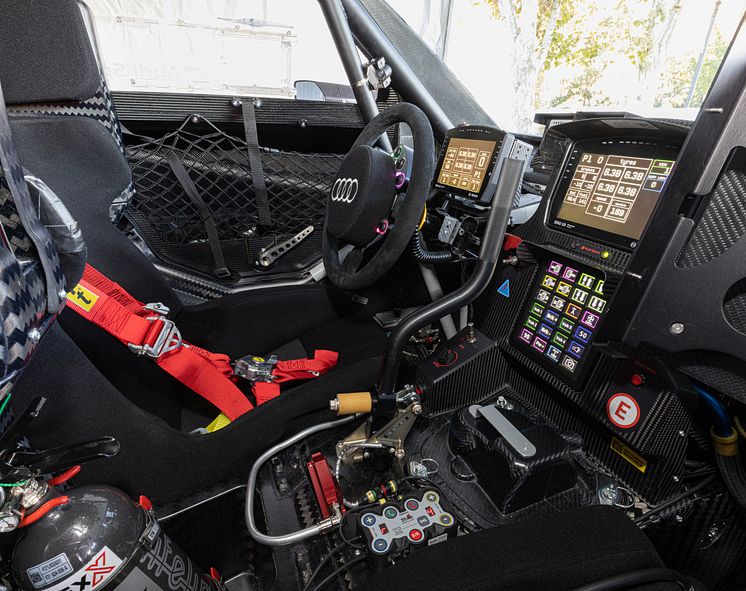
362	195
359	208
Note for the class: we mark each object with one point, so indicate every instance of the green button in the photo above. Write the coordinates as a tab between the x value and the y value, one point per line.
566	325
537	309
532	322
560	339
391	513
587	281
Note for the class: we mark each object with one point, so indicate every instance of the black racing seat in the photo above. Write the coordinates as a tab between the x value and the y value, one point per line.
101	388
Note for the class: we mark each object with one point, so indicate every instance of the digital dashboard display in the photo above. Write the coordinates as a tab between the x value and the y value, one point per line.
613	194
466	163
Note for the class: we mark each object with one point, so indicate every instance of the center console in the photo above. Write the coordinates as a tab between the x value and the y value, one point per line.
540	332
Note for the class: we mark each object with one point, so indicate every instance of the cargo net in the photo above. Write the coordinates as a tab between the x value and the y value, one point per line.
217	163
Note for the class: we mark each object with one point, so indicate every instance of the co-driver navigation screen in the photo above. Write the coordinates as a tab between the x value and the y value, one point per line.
465	163
615	194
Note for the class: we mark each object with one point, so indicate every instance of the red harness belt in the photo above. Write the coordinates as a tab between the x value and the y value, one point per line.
146	331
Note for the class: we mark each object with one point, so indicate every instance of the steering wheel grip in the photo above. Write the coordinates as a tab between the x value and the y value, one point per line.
410	209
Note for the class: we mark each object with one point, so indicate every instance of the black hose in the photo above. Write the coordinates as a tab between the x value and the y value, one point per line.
643	577
429	257
734	476
344	568
672	501
321	564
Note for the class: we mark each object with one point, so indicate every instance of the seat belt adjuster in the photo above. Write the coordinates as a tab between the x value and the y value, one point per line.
256	369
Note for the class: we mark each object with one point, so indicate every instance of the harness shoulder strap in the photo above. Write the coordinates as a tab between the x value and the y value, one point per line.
148	333
146	330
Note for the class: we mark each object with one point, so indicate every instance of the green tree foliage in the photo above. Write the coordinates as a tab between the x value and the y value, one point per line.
674	87
584	37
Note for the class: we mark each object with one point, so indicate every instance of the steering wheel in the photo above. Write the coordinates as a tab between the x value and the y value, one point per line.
364	210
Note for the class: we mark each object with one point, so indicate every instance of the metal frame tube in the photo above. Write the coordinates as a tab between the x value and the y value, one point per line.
300	535
494	234
336	20
406	82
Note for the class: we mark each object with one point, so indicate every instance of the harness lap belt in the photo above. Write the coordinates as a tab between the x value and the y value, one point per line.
145	329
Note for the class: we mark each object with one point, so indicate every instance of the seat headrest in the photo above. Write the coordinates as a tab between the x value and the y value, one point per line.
46	54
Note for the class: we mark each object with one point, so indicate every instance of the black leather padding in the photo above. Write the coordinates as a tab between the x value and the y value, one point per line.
362	195
45	52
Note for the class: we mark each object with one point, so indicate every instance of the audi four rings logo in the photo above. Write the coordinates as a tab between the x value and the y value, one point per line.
344	190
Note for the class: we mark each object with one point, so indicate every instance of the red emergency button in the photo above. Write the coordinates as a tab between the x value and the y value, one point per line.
637	380
415	535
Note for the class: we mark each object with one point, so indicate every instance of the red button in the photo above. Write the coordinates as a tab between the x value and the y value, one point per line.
637	380
415	535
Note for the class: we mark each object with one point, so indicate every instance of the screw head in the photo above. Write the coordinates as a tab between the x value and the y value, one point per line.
399	453
677	328
34	335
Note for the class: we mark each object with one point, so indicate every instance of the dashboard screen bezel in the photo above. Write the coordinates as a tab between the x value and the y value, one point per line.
470	132
632	148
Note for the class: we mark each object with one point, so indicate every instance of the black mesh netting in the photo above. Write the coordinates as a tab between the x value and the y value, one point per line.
217	163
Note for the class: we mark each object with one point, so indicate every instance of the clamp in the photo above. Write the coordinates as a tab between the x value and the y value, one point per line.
256	369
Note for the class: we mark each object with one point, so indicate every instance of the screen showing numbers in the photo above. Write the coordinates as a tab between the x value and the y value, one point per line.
466	163
613	193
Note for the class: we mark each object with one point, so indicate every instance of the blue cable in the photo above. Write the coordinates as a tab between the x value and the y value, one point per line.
719	413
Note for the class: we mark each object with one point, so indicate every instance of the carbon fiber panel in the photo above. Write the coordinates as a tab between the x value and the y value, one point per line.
723	222
705	539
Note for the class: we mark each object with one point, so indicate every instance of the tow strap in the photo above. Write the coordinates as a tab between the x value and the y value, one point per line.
146	330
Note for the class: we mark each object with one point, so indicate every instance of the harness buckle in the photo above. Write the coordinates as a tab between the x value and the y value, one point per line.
158	307
168	339
255	369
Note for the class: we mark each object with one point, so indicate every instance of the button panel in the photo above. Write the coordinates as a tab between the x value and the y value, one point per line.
563	313
394	526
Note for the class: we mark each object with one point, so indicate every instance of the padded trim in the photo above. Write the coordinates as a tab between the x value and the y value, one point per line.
78	159
561	552
46	52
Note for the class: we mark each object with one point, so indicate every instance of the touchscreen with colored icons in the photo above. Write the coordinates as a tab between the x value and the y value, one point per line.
564	311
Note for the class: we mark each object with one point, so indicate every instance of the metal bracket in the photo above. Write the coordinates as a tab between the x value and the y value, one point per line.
378	73
255	369
513	437
391	436
268	256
